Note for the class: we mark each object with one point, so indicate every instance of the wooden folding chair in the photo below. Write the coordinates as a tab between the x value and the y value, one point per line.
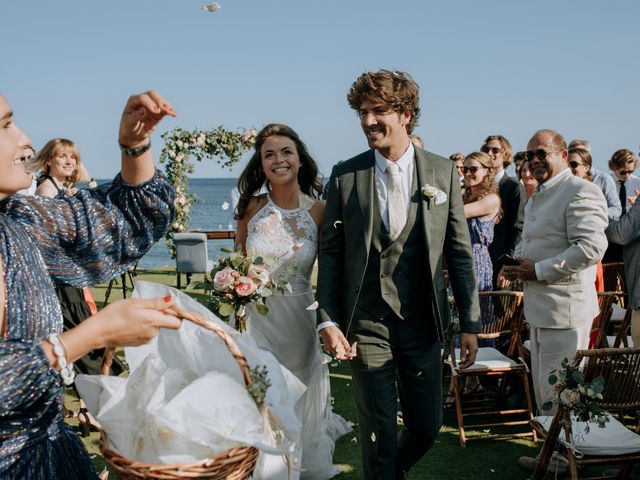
600	325
623	337
614	281
615	444
503	314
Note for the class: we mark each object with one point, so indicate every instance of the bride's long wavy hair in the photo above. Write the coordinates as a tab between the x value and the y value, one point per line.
253	177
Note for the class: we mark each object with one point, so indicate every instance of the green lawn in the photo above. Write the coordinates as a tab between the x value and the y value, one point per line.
487	459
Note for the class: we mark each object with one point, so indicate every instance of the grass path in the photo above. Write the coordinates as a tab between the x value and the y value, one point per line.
480	460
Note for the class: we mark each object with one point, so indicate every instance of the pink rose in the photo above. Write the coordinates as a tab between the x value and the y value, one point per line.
224	280
245	287
258	272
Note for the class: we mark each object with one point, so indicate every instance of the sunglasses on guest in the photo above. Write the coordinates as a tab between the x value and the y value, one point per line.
472	170
575	165
494	150
539	154
625	172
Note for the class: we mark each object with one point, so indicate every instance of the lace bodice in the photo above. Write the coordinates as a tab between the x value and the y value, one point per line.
287	240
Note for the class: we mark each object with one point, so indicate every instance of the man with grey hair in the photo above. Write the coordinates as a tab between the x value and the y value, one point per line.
562	240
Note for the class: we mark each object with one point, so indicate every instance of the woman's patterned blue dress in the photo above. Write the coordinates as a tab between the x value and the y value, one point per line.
481	237
81	240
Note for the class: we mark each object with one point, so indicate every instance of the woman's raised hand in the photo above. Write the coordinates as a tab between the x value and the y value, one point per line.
133	322
141	115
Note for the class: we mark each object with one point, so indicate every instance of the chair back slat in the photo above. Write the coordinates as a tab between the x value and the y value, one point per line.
501	315
613	275
600	326
620	368
621	339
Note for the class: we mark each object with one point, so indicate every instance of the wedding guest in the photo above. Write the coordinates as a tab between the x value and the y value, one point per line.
527	179
81	240
622	164
509	229
58	164
389	209
417	141
580	163
626	232
482	210
518	159
458	160
563	238
283	225
60	168
602	180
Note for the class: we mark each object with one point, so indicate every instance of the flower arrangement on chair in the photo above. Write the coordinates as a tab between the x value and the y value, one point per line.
238	280
581	399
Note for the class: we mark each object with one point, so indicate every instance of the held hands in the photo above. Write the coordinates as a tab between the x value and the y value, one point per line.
141	115
335	343
133	322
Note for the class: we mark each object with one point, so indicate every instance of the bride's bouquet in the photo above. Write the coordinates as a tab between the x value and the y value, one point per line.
238	280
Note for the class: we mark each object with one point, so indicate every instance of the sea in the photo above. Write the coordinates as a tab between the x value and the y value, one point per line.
207	213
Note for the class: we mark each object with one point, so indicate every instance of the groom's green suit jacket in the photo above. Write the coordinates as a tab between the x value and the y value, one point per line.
347	232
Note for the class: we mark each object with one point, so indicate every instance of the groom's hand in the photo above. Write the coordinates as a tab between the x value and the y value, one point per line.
335	343
468	349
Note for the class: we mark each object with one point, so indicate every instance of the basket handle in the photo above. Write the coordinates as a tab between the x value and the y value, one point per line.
200	320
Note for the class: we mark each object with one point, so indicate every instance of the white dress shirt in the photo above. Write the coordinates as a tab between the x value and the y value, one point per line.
631	184
406	164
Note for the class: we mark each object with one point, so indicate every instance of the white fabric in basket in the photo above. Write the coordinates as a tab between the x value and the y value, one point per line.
185	398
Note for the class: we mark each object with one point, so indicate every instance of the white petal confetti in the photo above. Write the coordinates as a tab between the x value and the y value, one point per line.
211	7
225	206
354	439
313	306
373	437
336	223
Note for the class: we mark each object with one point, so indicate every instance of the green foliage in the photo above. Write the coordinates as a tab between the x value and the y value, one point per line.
181	147
573	393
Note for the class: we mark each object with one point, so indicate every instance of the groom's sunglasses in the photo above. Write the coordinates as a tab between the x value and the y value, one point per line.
494	150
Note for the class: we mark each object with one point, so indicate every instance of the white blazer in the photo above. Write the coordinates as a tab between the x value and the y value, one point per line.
563	233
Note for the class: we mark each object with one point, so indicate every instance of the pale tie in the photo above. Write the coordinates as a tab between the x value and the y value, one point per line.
395	201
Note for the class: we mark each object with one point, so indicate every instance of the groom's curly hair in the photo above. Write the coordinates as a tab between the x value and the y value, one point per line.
397	90
253	177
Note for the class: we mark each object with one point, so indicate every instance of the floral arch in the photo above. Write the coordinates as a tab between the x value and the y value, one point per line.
182	146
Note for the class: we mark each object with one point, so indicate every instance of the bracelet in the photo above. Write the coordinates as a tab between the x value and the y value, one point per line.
134	152
66	368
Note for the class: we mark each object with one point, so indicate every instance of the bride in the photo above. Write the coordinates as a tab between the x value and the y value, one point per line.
282	227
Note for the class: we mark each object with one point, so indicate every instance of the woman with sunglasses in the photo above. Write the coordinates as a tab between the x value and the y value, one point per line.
483	211
580	162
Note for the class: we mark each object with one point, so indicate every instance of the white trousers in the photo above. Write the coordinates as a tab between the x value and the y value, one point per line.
549	346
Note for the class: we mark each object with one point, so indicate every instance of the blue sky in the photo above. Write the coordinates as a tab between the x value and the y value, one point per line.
484	67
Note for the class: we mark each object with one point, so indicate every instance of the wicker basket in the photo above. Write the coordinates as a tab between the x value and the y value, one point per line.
234	464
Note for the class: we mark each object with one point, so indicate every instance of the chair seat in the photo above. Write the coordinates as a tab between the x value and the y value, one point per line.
612	439
489	358
611	339
618	313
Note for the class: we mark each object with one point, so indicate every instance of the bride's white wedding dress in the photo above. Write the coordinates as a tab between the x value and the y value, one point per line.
287	240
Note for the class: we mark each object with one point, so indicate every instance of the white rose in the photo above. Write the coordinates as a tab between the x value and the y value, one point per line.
429	191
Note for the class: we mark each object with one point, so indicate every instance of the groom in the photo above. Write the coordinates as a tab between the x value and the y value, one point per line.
394	215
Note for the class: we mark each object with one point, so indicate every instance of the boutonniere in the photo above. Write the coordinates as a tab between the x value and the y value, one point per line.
433	193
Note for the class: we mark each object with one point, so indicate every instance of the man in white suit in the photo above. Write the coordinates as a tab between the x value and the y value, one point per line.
562	240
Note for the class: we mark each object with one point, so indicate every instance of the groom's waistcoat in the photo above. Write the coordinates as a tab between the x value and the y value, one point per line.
395	279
